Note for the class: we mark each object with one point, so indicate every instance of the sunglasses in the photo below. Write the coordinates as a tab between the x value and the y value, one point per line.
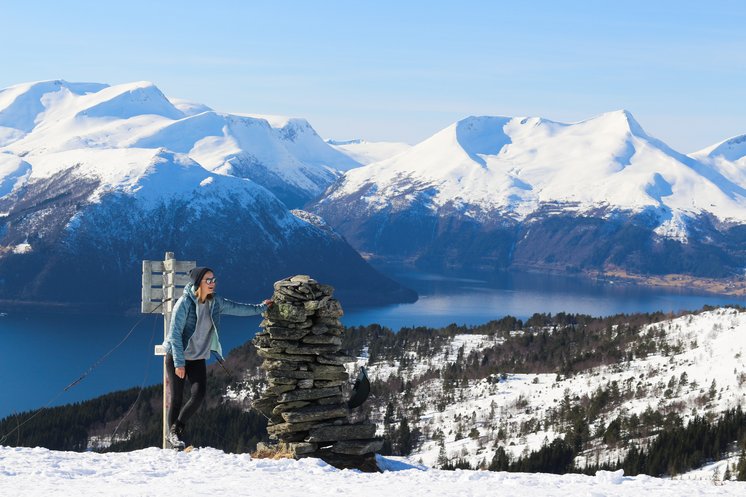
210	281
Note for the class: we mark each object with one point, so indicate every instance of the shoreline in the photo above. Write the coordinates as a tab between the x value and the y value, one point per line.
734	287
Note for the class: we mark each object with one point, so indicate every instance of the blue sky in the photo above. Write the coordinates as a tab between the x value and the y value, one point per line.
403	70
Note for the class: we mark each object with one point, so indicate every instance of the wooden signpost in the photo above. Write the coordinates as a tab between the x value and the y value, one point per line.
163	283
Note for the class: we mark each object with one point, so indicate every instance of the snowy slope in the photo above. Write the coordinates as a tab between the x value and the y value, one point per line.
707	349
151	176
32	472
727	157
366	152
13	172
513	166
40	216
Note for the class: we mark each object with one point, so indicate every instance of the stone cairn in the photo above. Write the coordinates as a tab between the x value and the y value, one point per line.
300	343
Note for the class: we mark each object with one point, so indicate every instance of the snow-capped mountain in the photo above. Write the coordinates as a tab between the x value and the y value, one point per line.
289	158
502	191
94	179
366	152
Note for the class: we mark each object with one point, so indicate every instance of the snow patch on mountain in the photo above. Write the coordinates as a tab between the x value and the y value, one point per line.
22	248
13	172
673	227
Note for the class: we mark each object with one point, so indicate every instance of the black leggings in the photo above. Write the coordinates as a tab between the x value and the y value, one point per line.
196	372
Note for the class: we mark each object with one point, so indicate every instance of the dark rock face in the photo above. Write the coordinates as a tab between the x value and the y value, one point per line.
551	239
304	401
337	433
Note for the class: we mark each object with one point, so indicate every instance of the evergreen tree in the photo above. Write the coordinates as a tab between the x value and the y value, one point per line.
500	461
404	438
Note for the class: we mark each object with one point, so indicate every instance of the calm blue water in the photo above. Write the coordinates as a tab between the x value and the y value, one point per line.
44	354
475	299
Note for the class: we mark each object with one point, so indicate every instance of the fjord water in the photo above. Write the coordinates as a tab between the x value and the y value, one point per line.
43	354
475	298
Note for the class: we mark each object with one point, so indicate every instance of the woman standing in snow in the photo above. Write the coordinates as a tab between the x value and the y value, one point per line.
192	336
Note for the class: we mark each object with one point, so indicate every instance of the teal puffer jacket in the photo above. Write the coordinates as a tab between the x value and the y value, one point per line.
184	321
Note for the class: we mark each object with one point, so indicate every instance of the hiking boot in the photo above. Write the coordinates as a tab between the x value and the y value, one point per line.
174	436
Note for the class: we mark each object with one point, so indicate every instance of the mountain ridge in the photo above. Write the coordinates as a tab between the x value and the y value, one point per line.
54	116
494	192
530	161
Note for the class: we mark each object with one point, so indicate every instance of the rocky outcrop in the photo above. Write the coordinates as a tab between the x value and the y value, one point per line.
304	401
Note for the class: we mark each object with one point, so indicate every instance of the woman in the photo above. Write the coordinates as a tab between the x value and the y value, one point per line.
192	336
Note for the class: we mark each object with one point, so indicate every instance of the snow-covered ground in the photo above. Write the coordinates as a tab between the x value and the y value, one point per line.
699	367
36	472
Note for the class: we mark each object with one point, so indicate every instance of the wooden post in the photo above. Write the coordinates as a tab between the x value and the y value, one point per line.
161	293
168	307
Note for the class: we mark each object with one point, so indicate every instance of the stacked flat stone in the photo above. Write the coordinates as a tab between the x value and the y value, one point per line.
300	343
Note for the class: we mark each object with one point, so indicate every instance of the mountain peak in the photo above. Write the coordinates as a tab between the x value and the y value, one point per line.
21	104
129	100
732	149
280	122
618	120
50	85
